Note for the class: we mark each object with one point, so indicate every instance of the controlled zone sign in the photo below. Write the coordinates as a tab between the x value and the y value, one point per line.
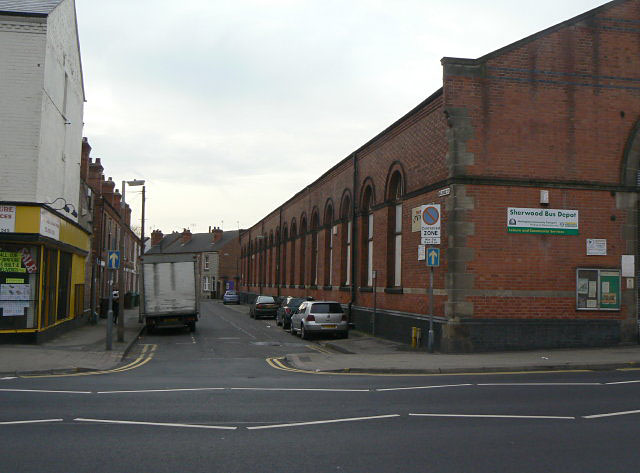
113	260
430	225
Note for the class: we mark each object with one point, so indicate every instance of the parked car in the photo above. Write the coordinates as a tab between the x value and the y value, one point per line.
288	306
231	297
263	306
319	317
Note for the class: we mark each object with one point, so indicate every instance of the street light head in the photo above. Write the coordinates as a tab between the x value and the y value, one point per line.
136	182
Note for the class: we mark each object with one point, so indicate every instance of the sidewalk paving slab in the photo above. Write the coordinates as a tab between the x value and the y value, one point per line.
362	353
81	349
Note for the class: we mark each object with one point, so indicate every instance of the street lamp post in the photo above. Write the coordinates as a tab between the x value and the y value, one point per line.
121	275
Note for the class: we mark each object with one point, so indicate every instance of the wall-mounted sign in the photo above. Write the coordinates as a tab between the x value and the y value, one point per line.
416	219
542	221
628	266
7	219
431	219
49	224
598	289
422	253
444	192
596	247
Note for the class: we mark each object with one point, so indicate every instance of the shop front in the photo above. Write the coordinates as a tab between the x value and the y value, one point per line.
42	273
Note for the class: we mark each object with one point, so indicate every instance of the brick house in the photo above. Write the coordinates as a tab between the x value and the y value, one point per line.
532	153
217	253
107	228
44	241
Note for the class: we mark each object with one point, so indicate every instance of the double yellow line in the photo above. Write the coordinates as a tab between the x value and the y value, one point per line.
145	357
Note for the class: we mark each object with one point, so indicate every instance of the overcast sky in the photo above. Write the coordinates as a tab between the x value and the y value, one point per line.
229	107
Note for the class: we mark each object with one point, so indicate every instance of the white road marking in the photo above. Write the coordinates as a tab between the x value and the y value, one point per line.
424	387
493	416
333	421
540	384
8	377
611	414
239	328
193	339
303	389
43	391
154	424
624	382
31	421
162	390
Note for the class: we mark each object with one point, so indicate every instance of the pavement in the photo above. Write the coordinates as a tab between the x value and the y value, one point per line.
366	354
81	349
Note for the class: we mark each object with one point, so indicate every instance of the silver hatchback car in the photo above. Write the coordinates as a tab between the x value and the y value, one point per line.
319	317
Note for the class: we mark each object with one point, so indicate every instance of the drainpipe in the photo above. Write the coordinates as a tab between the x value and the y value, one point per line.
354	232
278	252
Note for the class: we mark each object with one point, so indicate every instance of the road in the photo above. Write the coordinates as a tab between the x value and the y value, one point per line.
210	401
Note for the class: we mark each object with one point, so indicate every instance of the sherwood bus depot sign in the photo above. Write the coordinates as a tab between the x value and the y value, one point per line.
542	221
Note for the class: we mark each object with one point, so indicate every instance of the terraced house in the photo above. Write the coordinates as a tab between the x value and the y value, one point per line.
527	158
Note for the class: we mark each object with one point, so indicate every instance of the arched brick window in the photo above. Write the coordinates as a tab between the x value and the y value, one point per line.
302	276
294	234
366	249
395	192
346	238
315	225
328	245
283	263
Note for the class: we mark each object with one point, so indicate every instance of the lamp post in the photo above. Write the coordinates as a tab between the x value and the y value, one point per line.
122	258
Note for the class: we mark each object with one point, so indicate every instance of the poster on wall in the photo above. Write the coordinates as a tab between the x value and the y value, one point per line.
49	224
7	219
14	299
542	221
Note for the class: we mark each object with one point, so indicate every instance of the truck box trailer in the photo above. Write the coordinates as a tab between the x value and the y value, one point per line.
171	291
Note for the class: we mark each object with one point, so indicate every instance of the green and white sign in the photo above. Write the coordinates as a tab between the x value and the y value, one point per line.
542	221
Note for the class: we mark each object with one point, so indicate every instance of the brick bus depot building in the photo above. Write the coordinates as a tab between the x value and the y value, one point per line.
532	154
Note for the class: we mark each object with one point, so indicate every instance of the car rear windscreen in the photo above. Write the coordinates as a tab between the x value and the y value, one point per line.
326	308
266	299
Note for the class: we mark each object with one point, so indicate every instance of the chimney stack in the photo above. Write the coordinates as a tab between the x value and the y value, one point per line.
217	234
156	237
186	236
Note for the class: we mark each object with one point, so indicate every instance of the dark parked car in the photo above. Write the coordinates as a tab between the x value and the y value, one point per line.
263	306
288	306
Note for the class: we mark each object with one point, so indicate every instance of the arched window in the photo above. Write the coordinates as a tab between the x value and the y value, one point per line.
328	245
269	255
294	234
315	225
283	263
366	261
345	236
394	230
302	277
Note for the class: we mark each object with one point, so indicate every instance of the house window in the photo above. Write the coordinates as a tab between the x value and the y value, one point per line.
394	232
206	262
370	250
205	283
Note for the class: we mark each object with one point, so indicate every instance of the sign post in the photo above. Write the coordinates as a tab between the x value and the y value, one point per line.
433	260
113	263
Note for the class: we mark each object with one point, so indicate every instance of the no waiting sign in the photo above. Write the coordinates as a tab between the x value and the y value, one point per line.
431	223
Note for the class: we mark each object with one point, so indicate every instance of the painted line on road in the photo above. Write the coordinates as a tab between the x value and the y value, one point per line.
304	389
493	416
239	328
154	424
318	422
319	349
42	391
8	377
276	362
145	357
160	390
540	384
623	382
40	421
611	414
423	387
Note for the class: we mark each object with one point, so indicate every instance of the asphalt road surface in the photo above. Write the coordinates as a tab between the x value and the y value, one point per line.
210	401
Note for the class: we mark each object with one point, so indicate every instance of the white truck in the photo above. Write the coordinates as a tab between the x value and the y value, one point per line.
171	295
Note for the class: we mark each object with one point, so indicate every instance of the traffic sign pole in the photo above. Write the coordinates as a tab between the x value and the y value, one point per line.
430	338
110	313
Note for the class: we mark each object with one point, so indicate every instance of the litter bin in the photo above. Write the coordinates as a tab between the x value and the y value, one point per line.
136	299
104	307
128	300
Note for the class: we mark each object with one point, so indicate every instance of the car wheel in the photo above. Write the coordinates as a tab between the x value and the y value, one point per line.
303	333
192	327
292	330
278	323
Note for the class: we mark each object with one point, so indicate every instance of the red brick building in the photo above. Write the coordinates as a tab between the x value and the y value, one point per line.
532	152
